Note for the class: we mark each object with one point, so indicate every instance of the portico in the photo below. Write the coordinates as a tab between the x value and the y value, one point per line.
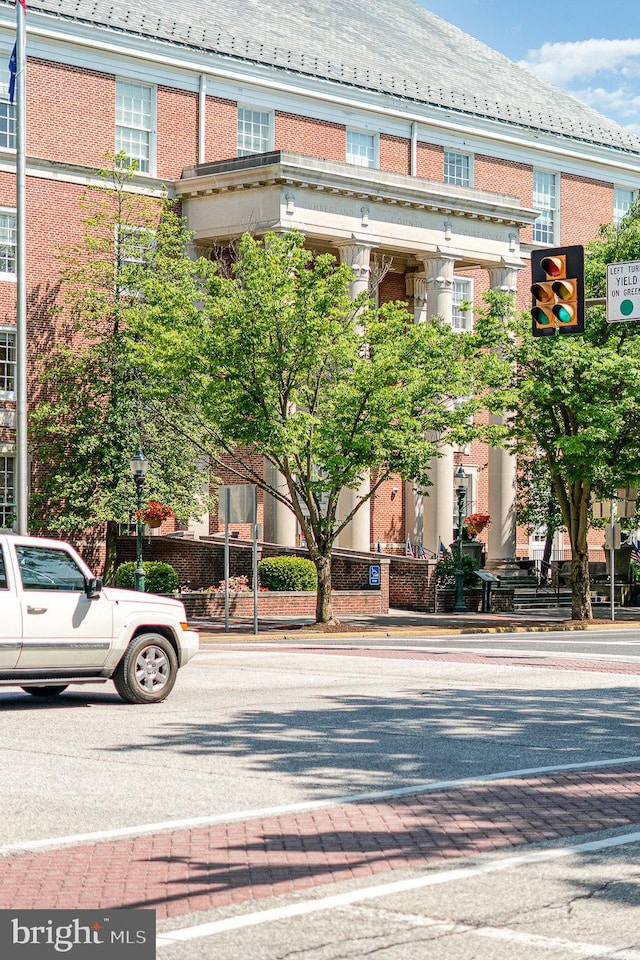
428	230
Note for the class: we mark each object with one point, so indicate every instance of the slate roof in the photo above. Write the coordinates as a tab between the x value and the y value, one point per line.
394	47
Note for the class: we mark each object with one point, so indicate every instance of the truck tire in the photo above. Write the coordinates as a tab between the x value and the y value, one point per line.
45	691
147	671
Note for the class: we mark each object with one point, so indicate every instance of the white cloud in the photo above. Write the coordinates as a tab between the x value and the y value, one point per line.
560	63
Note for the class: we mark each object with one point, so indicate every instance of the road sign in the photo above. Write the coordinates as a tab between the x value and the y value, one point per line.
374	574
623	291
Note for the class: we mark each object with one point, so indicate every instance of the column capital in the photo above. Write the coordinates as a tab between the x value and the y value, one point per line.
505	276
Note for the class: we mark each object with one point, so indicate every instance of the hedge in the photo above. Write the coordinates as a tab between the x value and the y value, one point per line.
288	573
158	577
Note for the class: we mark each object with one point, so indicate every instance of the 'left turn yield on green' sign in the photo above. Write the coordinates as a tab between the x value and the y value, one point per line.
623	291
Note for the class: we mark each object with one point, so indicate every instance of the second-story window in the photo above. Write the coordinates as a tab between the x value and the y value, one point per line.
545	200
135	122
7	491
461	316
7	111
7	243
622	202
254	131
457	168
361	149
7	364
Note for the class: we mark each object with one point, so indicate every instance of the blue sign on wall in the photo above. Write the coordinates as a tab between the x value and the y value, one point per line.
374	575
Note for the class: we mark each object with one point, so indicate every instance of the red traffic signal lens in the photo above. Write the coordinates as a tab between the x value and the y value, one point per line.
564	312
554	266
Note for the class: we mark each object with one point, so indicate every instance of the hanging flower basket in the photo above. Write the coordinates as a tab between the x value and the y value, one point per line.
475	523
154	514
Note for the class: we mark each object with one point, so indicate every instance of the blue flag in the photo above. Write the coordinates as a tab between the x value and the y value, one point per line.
12	75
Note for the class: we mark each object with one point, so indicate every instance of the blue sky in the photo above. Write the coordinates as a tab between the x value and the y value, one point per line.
588	47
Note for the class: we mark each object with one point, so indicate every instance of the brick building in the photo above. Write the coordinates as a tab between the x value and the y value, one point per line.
377	129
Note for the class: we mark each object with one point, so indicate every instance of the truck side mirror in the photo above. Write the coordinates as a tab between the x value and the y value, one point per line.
93	587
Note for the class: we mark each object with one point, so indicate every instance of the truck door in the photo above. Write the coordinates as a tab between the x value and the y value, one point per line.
61	627
10	620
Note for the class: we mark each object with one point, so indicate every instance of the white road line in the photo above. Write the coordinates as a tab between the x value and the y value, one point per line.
429	787
386	890
573	947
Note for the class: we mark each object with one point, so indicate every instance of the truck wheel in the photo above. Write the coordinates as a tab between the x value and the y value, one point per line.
45	691
147	671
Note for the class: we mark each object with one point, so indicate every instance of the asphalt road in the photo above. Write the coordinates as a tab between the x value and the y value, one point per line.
255	730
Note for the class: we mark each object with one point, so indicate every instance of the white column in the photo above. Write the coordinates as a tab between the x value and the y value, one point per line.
279	522
438	504
501	544
357	535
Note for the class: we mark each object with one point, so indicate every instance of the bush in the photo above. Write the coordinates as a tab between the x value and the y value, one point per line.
287	573
158	577
445	572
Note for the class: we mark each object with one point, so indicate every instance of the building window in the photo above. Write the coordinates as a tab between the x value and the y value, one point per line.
461	315
545	200
622	203
361	149
133	245
7	242
7	492
254	131
7	365
134	123
457	168
7	111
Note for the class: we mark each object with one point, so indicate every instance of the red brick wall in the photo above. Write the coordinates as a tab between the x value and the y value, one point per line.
71	113
313	138
221	137
177	131
430	161
395	154
585	204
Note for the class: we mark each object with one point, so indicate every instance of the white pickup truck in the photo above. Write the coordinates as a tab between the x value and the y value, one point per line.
59	625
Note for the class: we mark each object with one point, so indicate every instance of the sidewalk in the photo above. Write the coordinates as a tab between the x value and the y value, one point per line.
408	622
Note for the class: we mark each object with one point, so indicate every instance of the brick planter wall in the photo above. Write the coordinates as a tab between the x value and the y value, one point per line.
280	604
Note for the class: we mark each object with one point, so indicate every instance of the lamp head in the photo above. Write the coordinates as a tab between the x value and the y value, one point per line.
139	465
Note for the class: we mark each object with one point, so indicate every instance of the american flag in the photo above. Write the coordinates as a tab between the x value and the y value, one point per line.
635	551
442	551
410	552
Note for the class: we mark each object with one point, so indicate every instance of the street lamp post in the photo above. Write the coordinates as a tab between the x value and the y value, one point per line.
139	466
459	606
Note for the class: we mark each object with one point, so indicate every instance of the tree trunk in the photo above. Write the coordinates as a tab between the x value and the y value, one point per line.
111	546
324	613
580	586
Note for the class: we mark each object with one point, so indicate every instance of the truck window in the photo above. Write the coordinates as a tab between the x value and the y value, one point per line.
44	568
3	573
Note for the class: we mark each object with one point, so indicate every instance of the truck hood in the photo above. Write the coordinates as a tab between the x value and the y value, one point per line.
145	601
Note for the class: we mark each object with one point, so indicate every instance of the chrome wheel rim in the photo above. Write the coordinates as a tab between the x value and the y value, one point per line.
152	669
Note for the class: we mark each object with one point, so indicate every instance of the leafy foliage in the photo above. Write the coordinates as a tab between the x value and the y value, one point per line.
158	577
445	570
287	573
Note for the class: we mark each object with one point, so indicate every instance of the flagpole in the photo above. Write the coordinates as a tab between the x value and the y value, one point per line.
22	460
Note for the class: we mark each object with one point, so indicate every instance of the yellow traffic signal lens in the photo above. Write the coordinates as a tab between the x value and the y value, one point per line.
554	266
564	312
564	289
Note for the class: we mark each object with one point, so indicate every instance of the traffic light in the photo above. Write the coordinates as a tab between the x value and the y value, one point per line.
557	290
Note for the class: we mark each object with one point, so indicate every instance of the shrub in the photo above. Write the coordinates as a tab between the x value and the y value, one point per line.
158	577
288	573
445	572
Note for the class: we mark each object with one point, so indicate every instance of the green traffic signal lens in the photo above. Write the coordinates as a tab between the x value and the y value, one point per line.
564	313
541	317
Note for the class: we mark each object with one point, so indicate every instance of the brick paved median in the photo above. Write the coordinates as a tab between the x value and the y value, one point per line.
187	870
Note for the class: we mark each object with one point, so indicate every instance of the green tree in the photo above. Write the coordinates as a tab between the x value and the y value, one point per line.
91	413
281	364
575	402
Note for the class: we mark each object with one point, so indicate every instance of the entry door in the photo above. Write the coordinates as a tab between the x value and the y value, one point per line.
61	626
10	621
